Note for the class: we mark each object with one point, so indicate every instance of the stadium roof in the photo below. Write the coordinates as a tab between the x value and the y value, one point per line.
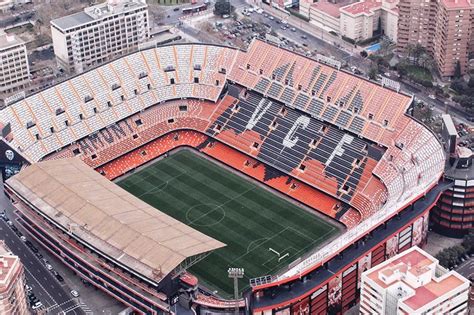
109	218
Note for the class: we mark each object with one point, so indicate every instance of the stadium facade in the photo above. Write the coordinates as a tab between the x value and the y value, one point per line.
338	143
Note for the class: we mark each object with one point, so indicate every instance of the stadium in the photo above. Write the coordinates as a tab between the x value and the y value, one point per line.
150	176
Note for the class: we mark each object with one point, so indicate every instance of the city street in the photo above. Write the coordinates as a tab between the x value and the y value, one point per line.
54	295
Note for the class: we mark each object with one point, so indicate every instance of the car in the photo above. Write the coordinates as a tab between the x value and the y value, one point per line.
34	249
271	17
304	36
60	278
10	223
432	96
176	9
49	267
14	228
37	305
28	243
293	29
18	233
39	255
23	238
74	293
28	288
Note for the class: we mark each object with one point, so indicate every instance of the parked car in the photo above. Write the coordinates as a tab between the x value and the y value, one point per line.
60	278
37	305
34	249
23	238
28	243
74	293
49	267
39	255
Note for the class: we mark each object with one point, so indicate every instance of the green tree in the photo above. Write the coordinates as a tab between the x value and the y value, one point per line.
222	7
373	71
468	241
457	70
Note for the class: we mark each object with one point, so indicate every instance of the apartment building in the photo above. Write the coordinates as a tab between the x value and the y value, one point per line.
12	283
14	68
413	282
360	20
355	20
324	14
444	27
99	33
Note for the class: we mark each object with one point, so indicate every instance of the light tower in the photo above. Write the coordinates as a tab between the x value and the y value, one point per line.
236	274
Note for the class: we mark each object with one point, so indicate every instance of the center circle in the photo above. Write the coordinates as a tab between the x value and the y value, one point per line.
205	214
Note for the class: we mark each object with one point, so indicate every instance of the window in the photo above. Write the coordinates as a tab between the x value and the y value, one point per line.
172	81
196	80
371	116
183	108
255	145
302	167
171	121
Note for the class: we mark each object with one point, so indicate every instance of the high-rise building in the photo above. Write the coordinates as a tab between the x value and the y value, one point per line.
99	33
443	27
453	214
413	282
12	283
14	68
361	20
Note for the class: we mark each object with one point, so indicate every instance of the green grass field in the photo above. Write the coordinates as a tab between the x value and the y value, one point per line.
233	210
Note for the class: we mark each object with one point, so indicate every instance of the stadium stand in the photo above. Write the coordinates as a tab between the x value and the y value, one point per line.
337	143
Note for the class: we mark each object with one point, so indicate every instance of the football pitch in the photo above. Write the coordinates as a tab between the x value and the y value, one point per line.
263	231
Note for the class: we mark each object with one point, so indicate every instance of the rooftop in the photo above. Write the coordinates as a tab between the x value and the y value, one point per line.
8	264
458	4
108	218
330	8
416	269
363	7
97	12
7	41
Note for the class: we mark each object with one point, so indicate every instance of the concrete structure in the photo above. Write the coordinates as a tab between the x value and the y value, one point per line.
453	214
14	68
6	5
360	20
12	284
413	283
357	21
444	27
100	33
324	14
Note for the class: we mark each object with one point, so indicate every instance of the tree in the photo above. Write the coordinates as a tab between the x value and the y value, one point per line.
468	241
373	71
363	54
458	85
418	50
457	70
222	7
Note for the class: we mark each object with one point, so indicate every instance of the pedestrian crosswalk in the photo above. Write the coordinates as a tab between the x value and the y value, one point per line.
86	308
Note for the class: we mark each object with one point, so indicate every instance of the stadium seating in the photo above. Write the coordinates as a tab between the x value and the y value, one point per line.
284	119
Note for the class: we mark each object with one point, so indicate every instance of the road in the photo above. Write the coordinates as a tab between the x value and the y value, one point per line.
54	295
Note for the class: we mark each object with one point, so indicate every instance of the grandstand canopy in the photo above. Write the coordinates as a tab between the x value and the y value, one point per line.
108	217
